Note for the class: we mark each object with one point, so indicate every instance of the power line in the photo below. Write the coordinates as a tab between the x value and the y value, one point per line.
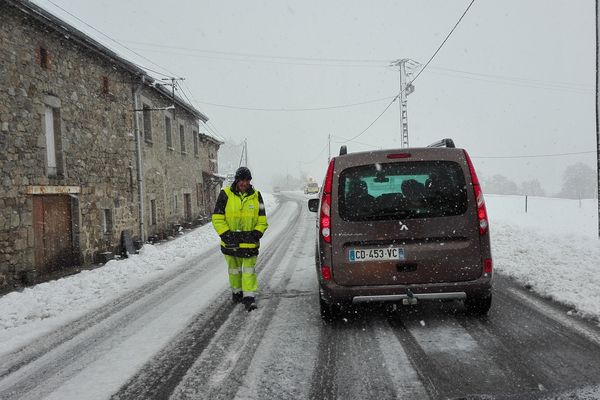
536	155
375	120
115	41
211	130
295	109
345	140
444	42
514	78
264	61
338	60
420	72
317	156
524	84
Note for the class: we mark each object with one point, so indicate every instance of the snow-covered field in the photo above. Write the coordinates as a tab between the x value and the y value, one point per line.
44	307
553	247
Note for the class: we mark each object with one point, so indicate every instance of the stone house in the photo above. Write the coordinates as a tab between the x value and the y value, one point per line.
86	152
210	171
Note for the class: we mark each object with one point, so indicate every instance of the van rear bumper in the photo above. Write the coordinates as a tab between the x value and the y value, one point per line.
418	296
334	293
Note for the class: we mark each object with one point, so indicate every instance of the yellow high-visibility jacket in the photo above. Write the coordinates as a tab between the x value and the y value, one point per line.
240	220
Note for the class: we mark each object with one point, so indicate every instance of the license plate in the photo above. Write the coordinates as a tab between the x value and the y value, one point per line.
379	254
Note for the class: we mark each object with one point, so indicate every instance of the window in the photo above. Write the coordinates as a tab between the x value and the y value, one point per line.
105	85
195	136
174	203
53	142
153	212
107	221
199	194
402	190
147	123
44	61
168	133
182	138
187	206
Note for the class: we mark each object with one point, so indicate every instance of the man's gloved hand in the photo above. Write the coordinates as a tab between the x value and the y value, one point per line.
230	238
249	236
256	235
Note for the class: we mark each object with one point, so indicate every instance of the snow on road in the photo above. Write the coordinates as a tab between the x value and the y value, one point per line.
40	309
553	248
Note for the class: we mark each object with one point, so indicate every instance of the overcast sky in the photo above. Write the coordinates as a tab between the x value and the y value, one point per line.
516	78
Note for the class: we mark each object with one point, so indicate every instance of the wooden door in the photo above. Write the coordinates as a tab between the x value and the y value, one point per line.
53	233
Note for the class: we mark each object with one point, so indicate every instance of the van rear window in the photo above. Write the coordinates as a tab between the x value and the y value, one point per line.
419	189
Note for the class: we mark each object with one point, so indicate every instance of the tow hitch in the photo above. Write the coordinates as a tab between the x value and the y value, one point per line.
411	299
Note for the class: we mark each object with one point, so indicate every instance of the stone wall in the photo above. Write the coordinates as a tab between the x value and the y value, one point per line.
92	100
169	172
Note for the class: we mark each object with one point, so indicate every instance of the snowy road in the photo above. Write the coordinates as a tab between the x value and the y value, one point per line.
179	337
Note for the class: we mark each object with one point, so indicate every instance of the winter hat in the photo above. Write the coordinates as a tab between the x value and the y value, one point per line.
243	173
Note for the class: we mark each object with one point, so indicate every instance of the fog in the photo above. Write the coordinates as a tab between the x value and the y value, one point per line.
515	79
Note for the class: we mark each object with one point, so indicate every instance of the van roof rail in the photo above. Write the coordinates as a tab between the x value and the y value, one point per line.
343	150
443	143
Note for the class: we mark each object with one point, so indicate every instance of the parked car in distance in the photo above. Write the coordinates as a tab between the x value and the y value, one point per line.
311	188
403	225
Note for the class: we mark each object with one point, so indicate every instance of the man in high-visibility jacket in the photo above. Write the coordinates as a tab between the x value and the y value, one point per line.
240	220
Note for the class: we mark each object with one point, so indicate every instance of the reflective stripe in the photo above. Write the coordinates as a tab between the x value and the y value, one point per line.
248	270
249	294
234	271
236	290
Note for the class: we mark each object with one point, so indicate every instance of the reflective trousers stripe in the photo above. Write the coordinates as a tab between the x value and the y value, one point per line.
245	281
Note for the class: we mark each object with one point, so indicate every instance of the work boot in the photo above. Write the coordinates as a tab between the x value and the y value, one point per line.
237	297
249	303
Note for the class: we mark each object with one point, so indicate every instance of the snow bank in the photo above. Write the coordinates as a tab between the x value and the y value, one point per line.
554	247
41	308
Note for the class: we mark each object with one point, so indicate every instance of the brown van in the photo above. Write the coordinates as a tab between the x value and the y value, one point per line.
402	225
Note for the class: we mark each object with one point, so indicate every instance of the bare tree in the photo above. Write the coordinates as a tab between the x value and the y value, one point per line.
532	188
579	182
499	184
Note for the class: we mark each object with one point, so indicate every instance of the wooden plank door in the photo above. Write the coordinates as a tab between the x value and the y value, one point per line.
53	233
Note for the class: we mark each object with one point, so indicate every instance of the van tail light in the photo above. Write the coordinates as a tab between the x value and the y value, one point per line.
326	273
487	266
481	210
325	216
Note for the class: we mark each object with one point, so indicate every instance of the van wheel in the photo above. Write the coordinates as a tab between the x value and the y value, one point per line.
329	312
478	305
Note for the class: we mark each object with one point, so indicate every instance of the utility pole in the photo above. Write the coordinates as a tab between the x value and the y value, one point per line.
246	150
405	67
597	110
173	85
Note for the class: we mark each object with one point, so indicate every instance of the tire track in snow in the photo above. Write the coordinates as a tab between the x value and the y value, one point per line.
220	370
161	375
31	368
17	359
355	363
74	354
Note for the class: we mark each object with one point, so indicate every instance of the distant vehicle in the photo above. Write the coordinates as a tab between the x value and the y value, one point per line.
228	180
311	188
402	226
276	189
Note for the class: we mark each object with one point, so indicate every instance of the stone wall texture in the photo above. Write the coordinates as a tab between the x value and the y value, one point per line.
93	107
